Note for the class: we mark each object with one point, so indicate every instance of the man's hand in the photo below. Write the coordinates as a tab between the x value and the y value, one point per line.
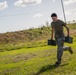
68	35
67	31
51	38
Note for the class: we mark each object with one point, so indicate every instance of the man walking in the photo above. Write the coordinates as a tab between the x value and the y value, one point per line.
57	28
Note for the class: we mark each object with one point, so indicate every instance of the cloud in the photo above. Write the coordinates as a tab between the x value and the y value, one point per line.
24	3
3	5
71	11
68	12
53	0
37	15
67	2
75	12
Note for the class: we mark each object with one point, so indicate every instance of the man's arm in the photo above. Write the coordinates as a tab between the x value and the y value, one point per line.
64	24
52	33
67	30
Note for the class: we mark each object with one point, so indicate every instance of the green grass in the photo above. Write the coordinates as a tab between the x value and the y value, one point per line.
26	53
37	61
9	47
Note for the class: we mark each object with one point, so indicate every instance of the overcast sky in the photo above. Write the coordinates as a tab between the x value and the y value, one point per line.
23	14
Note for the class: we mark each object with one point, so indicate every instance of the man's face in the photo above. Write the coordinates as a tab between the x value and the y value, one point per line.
54	19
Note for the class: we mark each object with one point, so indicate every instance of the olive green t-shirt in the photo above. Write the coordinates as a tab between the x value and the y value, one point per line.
58	27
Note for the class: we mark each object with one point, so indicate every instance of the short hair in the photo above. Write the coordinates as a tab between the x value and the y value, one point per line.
54	15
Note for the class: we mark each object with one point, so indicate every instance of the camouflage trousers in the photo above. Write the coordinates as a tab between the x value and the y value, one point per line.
60	47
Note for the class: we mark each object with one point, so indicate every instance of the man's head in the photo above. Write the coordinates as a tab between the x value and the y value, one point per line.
54	17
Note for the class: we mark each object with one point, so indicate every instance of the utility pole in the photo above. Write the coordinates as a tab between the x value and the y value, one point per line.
63	10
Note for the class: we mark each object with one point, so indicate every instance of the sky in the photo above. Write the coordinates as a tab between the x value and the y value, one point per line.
24	14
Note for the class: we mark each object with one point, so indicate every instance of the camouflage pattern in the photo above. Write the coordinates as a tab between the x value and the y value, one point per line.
60	45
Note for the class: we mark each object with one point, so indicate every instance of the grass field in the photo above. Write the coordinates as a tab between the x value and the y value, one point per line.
37	61
26	53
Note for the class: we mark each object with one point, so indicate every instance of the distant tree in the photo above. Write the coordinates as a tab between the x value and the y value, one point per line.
68	22
47	23
74	24
31	28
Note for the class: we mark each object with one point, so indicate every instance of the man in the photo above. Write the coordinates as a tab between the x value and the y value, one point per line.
57	28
